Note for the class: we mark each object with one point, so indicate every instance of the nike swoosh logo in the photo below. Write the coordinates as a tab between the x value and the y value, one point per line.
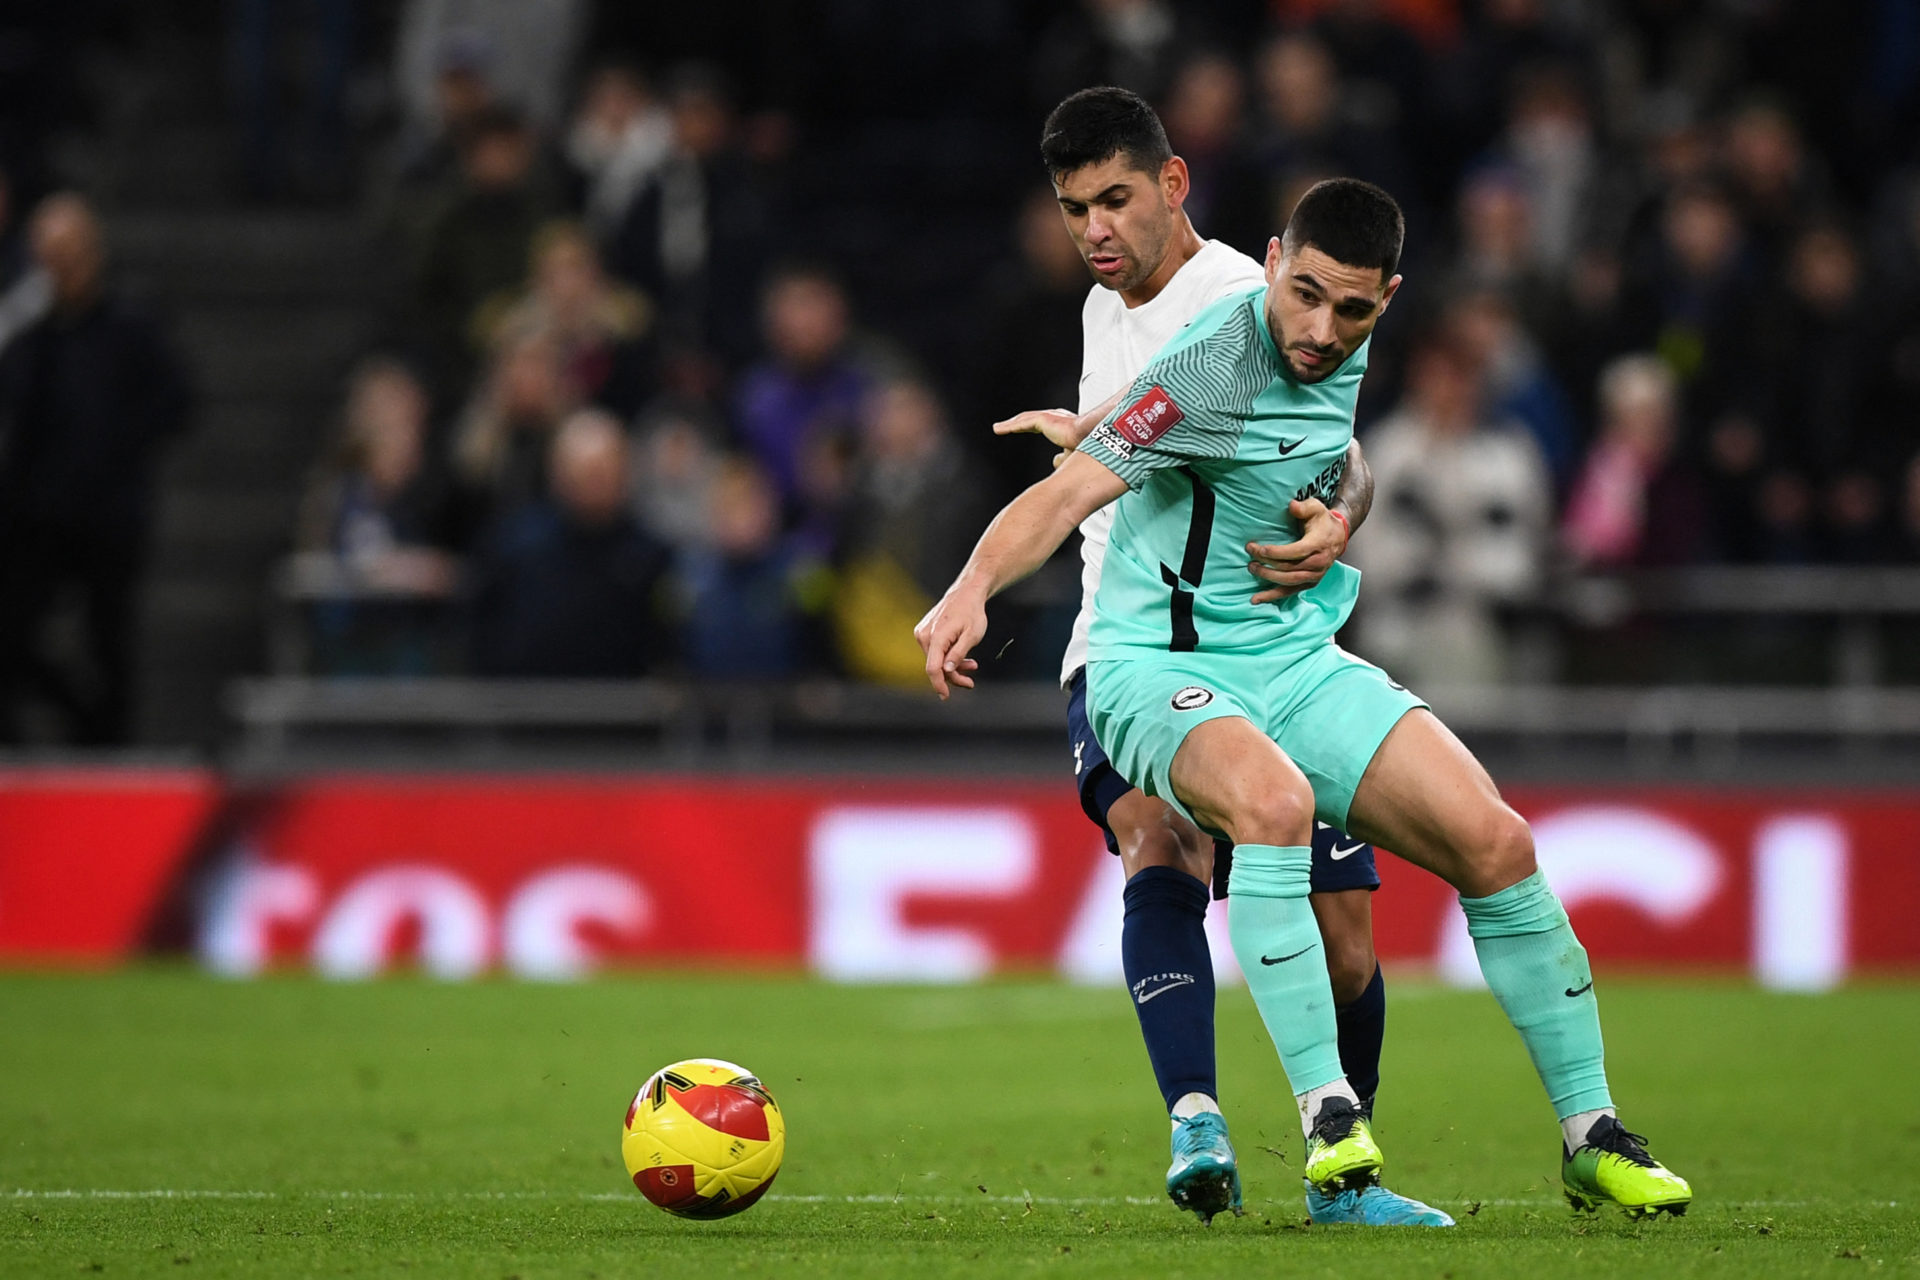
1283	959
1337	853
1286	448
1160	991
1571	992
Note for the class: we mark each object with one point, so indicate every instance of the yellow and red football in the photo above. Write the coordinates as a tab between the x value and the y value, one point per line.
703	1138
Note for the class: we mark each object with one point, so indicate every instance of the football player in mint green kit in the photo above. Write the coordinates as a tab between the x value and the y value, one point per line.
1249	719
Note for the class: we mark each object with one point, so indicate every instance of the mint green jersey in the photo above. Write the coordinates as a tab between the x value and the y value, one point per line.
1214	439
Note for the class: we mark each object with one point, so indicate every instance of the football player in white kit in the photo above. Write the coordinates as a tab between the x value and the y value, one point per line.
1121	191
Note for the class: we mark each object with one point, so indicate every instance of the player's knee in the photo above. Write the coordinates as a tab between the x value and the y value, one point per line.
1281	815
1350	966
1196	854
1160	845
1502	855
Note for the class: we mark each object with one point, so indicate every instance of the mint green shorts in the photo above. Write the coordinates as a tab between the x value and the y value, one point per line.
1328	710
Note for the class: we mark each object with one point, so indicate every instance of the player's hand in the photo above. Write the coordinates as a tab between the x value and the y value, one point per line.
1058	425
946	635
1294	566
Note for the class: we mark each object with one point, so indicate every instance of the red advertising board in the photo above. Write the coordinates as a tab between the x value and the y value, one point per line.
87	856
864	879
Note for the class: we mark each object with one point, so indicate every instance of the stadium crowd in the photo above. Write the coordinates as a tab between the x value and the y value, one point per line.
691	364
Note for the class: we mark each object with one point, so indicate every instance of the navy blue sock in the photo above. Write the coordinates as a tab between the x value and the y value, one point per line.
1363	1025
1163	946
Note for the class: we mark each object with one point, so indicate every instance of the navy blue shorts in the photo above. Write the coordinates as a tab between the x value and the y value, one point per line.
1339	861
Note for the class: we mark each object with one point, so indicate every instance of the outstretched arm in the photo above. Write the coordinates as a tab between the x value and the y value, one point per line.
1019	540
1058	425
1324	533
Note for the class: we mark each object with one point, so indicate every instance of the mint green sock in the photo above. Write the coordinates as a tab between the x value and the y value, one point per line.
1538	971
1277	941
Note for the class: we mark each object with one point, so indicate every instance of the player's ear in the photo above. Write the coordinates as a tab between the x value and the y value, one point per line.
1274	255
1393	287
1175	181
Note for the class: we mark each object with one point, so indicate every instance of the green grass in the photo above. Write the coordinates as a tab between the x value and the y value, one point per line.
418	1129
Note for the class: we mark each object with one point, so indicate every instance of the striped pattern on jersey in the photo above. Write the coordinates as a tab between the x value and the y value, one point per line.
1207	373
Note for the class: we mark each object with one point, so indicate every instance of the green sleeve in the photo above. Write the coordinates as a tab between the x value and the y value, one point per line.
1183	407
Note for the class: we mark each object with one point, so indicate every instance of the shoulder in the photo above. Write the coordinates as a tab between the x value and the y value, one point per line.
1224	331
1224	270
1101	305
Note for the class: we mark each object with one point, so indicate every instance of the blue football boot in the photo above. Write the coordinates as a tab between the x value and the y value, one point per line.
1373	1206
1203	1177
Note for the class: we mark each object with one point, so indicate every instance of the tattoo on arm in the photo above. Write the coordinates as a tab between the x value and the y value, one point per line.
1354	498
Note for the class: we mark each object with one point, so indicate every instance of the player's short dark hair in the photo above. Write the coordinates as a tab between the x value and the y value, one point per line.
1352	222
1097	124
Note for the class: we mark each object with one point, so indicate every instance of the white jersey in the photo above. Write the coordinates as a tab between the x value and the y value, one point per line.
1117	341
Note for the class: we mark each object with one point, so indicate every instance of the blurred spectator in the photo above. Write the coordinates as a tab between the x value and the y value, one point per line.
1460	527
1495	245
1819	353
696	238
1822	355
476	246
1308	123
570	586
809	387
676	465
619	140
747	585
1635	503
26	292
522	49
599	327
1517	385
505	434
89	395
1135	44
1029	334
1382	61
1502	37
918	508
425	161
378	506
1777	185
376	528
1693	299
1550	144
311	158
1204	116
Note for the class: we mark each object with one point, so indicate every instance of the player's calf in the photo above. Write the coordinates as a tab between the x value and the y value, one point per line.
1234	778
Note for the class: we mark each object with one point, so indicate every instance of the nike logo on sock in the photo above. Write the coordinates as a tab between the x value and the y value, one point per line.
1571	992
1168	981
1286	448
1338	852
1283	959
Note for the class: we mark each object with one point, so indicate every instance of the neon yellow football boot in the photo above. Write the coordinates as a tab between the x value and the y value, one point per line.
1341	1153
1612	1167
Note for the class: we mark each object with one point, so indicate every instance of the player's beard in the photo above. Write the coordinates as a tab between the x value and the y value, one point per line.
1327	365
1141	263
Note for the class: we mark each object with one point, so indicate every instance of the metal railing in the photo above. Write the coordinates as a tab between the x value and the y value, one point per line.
683	720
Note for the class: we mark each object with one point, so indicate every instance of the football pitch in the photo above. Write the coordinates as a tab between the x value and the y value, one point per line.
163	1123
